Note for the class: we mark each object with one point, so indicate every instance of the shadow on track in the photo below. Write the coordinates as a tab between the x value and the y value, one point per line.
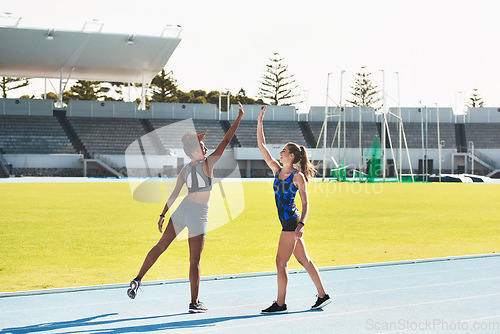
96	326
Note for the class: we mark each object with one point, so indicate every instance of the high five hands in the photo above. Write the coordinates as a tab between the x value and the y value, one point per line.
261	116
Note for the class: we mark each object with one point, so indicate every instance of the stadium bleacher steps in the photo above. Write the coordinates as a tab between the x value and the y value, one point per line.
483	160
494	174
71	133
153	137
100	164
4	172
379	131
308	134
225	126
460	138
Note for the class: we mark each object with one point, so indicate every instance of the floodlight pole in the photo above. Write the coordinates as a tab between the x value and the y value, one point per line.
339	127
383	126
472	155
142	106
439	142
59	103
325	126
399	132
426	145
360	141
342	110
422	135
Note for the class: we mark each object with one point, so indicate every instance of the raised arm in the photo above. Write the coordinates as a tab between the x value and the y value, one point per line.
215	156
261	142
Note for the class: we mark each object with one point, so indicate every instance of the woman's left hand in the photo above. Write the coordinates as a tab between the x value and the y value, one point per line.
299	231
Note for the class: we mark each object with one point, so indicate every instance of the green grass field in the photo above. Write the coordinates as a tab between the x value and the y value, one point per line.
74	234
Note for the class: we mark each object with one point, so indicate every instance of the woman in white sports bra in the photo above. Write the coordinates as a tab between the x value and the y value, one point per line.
193	210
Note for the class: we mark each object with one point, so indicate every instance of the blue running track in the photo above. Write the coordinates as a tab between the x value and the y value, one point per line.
445	295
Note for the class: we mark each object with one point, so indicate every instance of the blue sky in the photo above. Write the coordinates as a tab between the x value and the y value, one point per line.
438	47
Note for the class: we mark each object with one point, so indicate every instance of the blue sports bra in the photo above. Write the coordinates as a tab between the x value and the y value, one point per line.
196	179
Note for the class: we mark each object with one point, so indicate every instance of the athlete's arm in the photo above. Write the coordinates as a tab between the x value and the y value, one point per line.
215	156
172	198
261	142
300	182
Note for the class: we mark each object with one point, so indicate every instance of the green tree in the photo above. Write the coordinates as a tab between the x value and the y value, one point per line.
475	101
185	97
277	84
88	90
116	88
199	93
213	97
164	87
51	95
199	99
364	92
7	82
244	99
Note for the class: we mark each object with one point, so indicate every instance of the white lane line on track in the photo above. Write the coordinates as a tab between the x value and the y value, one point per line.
328	314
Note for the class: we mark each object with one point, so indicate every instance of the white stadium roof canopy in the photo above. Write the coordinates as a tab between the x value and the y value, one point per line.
82	55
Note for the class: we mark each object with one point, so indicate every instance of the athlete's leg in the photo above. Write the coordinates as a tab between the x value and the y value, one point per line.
300	254
196	244
155	252
285	250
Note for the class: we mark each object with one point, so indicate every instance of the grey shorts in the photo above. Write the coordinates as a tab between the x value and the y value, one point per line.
192	215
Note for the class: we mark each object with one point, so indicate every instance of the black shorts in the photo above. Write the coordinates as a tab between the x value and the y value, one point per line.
290	225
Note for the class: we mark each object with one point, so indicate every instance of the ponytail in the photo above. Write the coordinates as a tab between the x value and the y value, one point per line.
301	159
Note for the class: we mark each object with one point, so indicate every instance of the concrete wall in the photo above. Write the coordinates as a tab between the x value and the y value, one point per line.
121	109
273	113
43	160
101	109
483	115
26	107
417	115
245	157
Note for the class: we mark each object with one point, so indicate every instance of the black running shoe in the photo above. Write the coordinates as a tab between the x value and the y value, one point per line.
197	308
132	291
321	302
275	309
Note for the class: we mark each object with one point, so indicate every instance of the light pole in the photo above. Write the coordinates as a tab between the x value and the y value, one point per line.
342	110
439	142
325	126
400	121
383	126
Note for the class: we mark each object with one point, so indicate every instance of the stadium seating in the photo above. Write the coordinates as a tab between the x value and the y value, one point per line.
368	132
37	134
483	135
413	133
277	133
33	135
107	135
213	137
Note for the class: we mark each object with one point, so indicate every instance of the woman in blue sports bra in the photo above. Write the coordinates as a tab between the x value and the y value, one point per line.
193	210
287	181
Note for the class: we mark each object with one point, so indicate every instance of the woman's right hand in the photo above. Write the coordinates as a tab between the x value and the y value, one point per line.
240	110
261	116
160	224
